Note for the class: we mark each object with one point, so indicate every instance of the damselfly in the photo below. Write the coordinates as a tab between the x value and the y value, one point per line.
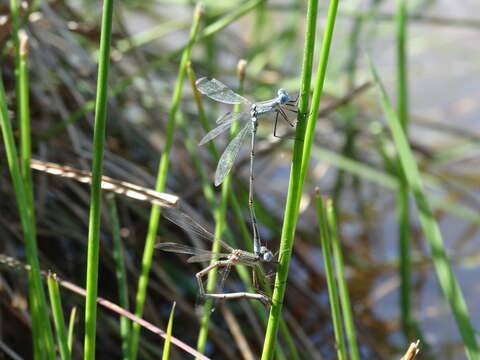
278	106
227	258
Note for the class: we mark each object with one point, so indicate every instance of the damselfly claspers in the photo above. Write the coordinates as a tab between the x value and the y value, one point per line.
278	106
227	258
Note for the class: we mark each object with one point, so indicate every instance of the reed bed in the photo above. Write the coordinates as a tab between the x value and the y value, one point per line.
369	204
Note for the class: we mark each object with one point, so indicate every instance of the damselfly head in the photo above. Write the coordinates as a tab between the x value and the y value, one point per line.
266	254
283	96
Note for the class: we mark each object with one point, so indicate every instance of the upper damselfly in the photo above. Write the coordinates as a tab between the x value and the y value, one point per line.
278	106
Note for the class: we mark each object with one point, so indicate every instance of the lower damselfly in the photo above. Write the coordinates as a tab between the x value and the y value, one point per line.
279	106
227	258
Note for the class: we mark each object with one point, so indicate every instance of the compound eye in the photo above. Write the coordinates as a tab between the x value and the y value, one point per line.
283	96
268	256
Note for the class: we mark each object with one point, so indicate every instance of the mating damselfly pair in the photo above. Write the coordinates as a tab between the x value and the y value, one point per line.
279	106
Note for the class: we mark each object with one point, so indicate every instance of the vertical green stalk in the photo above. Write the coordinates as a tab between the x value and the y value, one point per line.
299	165
220	226
120	274
71	328
209	195
37	294
160	183
446	277
342	283
42	332
403	203
402	75
25	133
325	241
348	148
24	114
166	348
14	10
23	107
58	318
95	197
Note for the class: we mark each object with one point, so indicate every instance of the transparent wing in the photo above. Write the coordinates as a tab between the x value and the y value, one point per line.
232	116
189	225
207	257
218	91
230	154
226	123
225	274
198	254
182	249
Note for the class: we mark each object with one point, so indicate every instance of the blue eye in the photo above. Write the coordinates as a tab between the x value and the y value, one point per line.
283	96
267	256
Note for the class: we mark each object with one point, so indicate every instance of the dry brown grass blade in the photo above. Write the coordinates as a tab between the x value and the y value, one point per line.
119	187
237	333
412	351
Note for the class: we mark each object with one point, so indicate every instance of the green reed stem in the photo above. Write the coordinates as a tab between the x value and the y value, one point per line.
325	241
446	277
23	106
342	283
41	328
166	347
160	183
120	273
96	190
403	195
299	163
209	195
220	226
71	327
36	291
24	114
58	318
14	10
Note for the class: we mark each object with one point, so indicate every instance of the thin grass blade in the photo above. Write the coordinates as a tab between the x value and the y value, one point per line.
446	277
161	181
342	283
166	347
71	327
96	190
36	291
325	241
120	273
300	160
58	318
220	227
